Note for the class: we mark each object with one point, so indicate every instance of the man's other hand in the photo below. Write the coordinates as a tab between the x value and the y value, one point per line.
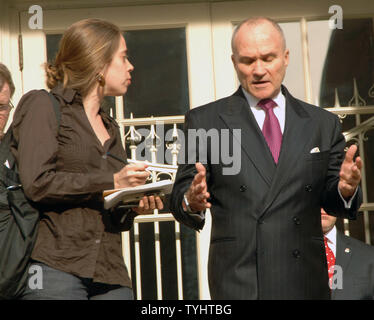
198	195
350	173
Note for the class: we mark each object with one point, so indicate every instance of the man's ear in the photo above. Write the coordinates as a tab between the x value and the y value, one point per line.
287	57
233	60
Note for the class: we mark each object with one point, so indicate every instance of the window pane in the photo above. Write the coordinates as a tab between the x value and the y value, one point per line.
347	54
53	41
159	81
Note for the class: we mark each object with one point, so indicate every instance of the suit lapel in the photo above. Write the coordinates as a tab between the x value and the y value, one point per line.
294	142
238	115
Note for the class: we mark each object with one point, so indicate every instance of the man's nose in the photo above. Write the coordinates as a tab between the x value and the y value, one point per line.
259	69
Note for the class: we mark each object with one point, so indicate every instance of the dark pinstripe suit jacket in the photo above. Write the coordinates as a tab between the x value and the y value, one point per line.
356	259
266	237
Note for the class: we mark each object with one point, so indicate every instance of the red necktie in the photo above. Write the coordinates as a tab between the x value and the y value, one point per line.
271	128
330	260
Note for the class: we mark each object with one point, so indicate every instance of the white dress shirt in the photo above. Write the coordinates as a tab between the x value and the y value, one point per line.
259	113
331	239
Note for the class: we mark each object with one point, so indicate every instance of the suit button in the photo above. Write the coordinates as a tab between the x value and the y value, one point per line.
260	221
296	253
243	188
296	220
308	188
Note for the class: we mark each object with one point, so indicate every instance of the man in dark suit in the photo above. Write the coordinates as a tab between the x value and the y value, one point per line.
354	263
266	237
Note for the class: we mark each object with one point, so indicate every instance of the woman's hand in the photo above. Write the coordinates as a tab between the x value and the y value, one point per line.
131	175
148	204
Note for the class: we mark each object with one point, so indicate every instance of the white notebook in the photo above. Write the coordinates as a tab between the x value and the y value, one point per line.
135	194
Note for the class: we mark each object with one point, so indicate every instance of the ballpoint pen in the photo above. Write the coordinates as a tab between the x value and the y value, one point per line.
115	157
150	167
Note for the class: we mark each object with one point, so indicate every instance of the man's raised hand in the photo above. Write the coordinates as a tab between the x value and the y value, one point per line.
198	195
350	173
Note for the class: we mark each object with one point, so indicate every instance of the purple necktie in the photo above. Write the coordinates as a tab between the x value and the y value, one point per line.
271	128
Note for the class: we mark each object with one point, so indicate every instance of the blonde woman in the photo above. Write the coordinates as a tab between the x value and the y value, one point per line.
63	167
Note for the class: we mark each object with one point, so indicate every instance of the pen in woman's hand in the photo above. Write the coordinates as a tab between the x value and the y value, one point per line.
150	167
115	157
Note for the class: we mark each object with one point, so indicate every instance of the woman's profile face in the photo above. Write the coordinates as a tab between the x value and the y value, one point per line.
117	75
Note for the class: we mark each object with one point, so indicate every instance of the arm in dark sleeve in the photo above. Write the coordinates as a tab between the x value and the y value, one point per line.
331	199
185	174
35	131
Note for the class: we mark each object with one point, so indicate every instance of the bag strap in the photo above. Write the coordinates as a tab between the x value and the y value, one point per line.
5	145
56	107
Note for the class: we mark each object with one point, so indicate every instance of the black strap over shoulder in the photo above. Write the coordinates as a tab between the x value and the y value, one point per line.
56	107
5	145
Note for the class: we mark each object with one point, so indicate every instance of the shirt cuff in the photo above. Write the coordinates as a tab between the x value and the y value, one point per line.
348	204
198	216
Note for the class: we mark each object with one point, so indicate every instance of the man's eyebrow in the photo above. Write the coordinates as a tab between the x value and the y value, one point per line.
267	54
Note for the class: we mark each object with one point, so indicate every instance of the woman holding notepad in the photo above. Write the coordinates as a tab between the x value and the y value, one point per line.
64	170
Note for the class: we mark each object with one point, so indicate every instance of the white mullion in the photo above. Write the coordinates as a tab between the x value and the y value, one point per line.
178	250
306	61
137	262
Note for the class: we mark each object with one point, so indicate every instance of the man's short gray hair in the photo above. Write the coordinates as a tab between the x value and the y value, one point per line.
256	21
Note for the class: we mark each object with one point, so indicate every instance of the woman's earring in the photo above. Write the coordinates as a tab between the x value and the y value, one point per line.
100	79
